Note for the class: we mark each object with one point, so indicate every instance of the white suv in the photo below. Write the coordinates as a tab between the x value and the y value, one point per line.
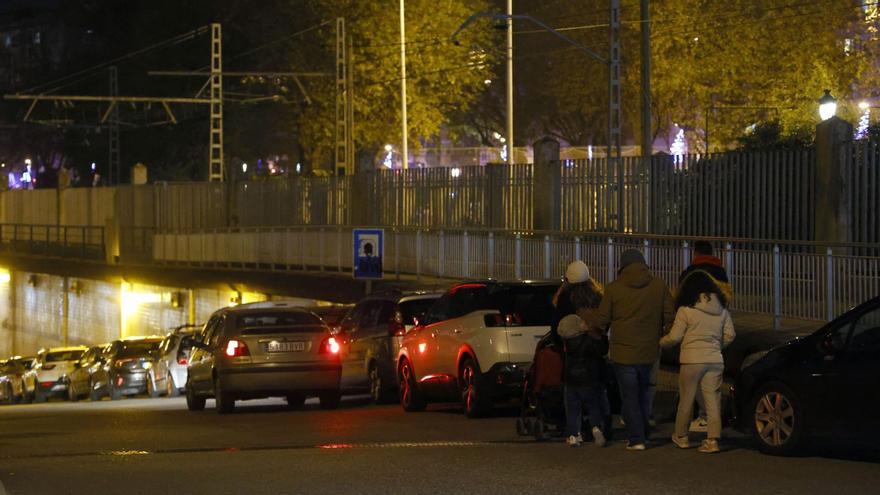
49	376
474	345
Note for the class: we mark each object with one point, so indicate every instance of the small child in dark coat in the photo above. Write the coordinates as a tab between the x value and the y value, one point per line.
584	378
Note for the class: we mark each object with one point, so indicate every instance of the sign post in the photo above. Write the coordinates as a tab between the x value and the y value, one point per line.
368	251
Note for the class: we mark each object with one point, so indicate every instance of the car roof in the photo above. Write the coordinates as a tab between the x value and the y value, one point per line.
65	349
509	283
139	338
397	295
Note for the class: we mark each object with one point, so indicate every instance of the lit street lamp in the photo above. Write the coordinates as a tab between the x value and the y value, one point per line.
827	105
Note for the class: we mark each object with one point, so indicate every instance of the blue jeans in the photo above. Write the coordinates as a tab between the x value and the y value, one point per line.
634	381
596	401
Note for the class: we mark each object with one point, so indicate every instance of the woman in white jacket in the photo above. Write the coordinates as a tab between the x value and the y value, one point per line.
703	327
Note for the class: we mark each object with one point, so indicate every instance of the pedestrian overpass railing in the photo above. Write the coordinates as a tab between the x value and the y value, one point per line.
781	278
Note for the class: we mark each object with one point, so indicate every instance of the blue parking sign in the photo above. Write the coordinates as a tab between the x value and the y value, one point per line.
368	245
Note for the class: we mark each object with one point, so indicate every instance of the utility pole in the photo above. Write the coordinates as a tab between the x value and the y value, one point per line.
614	112
113	169
215	139
404	150
647	135
510	82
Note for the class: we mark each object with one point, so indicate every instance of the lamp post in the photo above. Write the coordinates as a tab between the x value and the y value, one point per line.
827	105
404	148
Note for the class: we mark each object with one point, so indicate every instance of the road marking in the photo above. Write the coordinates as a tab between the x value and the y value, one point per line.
2	489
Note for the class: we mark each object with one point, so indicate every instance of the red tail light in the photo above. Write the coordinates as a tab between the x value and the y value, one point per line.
47	384
396	329
237	348
499	320
329	346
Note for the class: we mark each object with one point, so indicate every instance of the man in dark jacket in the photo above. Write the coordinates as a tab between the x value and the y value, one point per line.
584	379
705	260
640	309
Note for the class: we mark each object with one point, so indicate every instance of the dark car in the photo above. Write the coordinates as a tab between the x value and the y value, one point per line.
825	383
371	334
126	363
83	381
11	381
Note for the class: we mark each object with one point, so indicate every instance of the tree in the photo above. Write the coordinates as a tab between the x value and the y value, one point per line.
442	78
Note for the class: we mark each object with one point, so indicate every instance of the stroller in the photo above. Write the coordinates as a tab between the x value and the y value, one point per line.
542	408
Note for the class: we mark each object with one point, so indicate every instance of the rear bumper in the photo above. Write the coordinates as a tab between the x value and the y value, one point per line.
130	382
505	380
275	378
57	387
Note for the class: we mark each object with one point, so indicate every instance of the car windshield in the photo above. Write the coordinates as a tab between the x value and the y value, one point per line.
138	348
278	322
63	356
413	308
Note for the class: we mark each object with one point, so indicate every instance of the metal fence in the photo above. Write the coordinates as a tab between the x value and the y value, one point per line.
784	279
76	242
864	162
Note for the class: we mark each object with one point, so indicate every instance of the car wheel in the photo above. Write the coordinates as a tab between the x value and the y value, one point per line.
8	394
410	398
330	400
473	394
152	392
194	402
39	397
295	401
777	420
25	396
170	388
71	393
379	392
224	401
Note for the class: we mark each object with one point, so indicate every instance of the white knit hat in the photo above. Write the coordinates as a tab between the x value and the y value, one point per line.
571	326
577	272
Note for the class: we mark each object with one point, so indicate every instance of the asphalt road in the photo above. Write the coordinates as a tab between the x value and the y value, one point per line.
150	446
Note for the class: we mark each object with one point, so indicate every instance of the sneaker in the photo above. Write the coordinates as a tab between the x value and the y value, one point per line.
635	446
681	442
709	446
598	437
699	425
572	441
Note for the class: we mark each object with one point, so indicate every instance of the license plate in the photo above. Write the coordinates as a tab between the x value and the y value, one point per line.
286	346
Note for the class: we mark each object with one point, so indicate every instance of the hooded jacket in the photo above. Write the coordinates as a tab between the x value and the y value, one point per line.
703	331
639	308
709	264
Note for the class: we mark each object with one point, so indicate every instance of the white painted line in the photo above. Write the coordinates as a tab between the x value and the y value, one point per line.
2	489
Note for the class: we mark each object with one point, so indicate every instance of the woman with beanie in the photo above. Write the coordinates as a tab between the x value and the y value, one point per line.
703	327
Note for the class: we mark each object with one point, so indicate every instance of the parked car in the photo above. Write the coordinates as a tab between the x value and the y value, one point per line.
27	362
824	383
124	371
49	374
474	345
370	336
249	352
168	376
85	378
11	381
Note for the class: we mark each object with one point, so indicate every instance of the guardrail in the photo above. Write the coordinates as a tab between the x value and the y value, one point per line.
69	241
781	278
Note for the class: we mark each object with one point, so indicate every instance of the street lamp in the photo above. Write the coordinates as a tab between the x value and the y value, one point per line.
827	105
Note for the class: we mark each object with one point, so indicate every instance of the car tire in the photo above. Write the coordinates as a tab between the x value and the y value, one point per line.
170	389
411	398
25	396
777	420
71	393
473	390
330	400
295	401
152	392
193	401
379	392
9	394
224	401
39	397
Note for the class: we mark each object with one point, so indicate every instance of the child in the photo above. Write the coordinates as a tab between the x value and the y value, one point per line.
703	327
584	379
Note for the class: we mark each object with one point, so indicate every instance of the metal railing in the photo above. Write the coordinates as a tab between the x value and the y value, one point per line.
781	278
69	241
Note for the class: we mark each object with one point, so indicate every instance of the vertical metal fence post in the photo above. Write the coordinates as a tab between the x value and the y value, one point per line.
339	249
490	260
302	248
646	246
517	260
829	284
685	253
777	288
577	248
465	256
396	235
728	262
419	254
610	262
321	247
547	256
441	253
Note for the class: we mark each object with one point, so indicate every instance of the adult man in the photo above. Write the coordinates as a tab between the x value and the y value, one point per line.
639	308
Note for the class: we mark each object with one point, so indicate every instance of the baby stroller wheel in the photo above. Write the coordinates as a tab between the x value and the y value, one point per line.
521	427
540	430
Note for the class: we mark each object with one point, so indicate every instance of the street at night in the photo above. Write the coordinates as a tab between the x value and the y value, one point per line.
156	446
